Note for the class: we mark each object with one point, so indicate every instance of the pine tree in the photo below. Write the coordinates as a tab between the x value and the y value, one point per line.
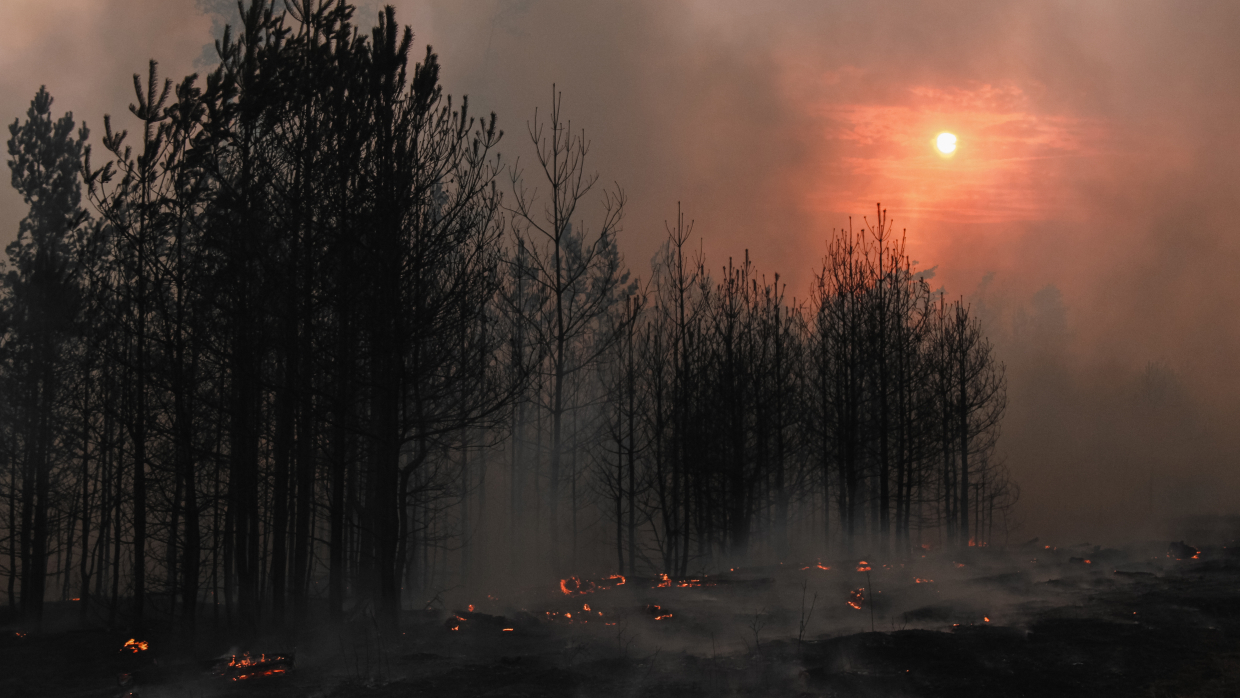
41	302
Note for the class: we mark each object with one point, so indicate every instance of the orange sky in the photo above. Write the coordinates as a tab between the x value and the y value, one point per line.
1097	159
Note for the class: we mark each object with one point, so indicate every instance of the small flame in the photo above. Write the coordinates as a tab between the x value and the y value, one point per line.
856	598
246	660
507	630
1088	562
135	646
986	618
471	608
586	607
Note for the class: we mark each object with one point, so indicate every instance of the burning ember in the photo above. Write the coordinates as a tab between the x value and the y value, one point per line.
585	615
919	580
1180	551
666	582
817	565
247	666
478	622
986	618
135	646
856	598
577	585
658	612
863	566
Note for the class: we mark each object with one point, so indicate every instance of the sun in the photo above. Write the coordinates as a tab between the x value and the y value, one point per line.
946	143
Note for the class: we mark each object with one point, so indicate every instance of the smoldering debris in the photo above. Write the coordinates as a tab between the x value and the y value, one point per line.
959	623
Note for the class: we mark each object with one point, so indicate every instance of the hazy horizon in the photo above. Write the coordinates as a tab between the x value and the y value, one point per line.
1084	213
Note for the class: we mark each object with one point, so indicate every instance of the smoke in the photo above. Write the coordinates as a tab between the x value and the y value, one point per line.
1091	187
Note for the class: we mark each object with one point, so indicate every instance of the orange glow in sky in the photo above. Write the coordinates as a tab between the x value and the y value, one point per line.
1009	173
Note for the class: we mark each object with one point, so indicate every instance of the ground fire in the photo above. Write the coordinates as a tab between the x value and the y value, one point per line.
577	585
248	666
856	598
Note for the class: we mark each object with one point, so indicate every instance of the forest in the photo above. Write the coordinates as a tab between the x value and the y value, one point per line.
293	341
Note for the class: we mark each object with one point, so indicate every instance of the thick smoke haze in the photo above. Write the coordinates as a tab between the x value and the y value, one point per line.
1088	212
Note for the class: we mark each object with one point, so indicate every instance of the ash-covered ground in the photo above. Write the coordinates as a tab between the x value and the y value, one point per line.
1036	621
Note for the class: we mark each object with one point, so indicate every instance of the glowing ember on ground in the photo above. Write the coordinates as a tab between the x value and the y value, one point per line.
248	666
574	585
986	618
577	585
817	565
856	598
919	580
570	619
863	566
135	646
658	612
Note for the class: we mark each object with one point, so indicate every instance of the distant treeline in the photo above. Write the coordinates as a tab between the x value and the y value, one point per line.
300	346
